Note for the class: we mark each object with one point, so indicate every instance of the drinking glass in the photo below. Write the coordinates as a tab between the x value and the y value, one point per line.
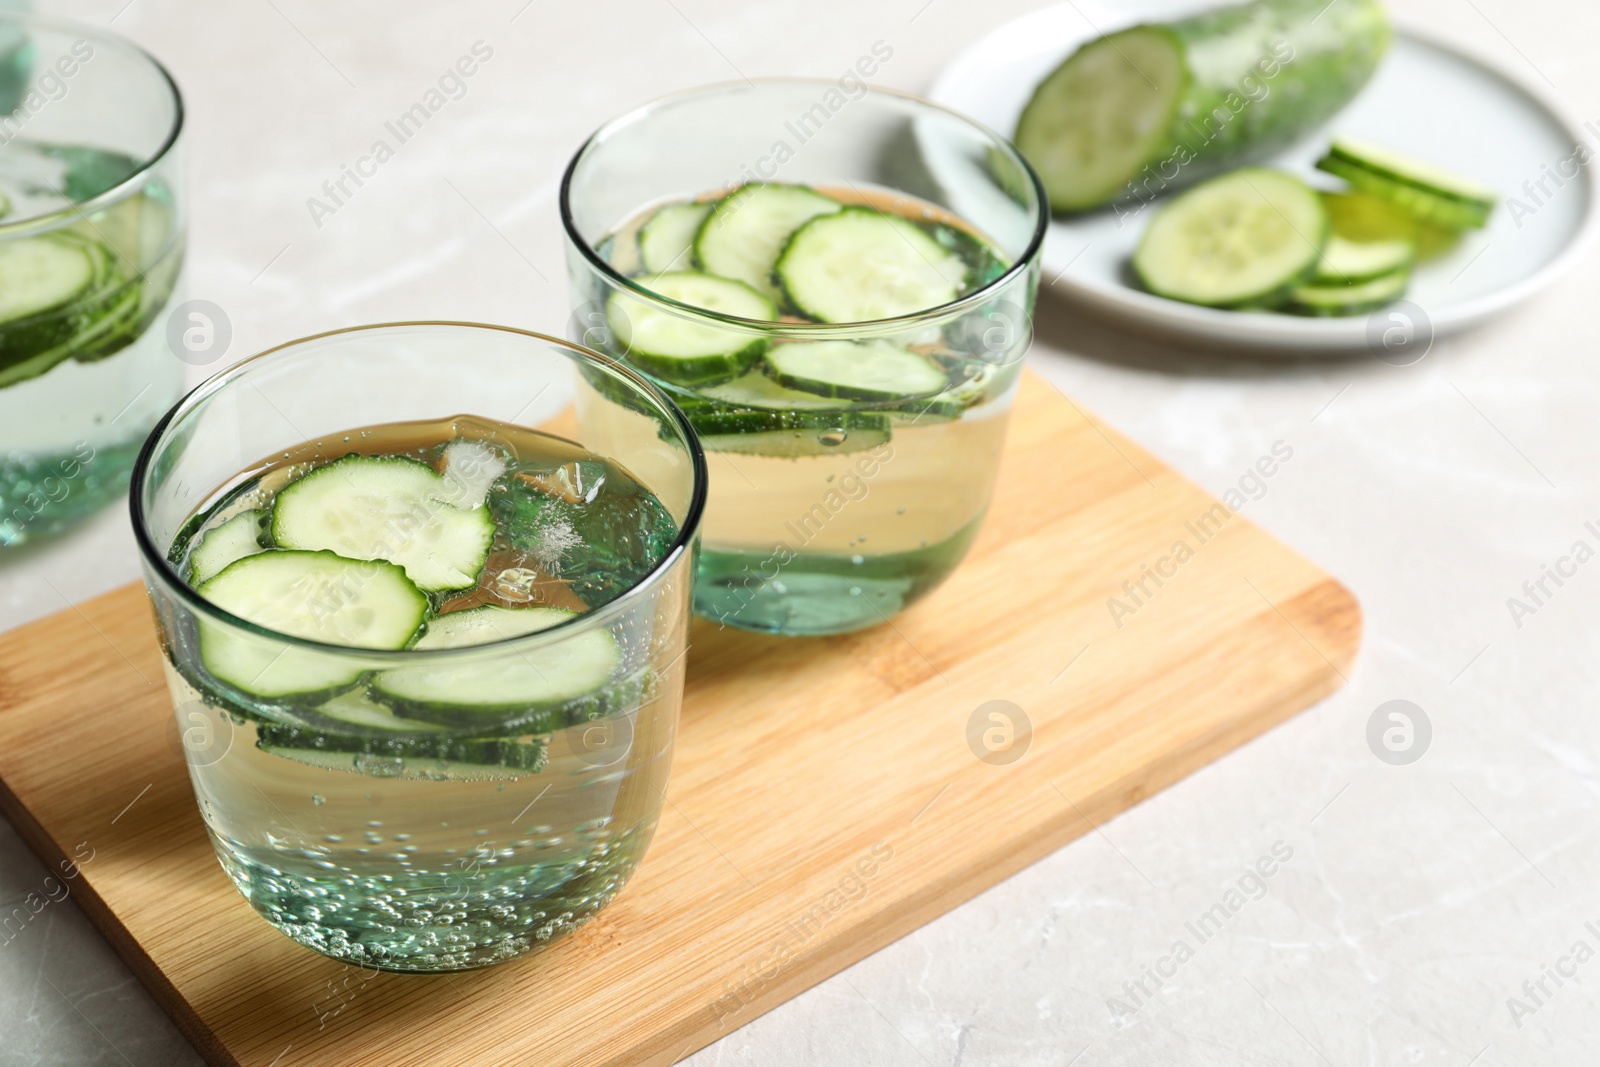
411	863
847	515
91	241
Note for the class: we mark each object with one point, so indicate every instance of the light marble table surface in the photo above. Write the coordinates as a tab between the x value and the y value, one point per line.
1418	898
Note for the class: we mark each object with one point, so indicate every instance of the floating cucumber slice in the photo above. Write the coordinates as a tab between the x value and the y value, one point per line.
742	237
532	679
233	540
343	730
1426	190
1344	299
806	433
40	273
320	596
678	347
390	508
465	759
1347	262
757	390
860	265
666	240
1239	238
852	370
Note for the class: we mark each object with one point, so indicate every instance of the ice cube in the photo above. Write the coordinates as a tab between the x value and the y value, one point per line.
470	468
575	483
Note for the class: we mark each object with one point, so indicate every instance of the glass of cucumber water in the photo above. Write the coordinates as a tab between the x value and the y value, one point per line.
835	284
91	240
424	632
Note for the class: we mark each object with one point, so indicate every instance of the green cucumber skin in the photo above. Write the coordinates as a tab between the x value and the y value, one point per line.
1274	67
515	754
1452	213
699	370
616	698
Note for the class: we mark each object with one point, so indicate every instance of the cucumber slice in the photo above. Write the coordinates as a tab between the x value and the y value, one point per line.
1342	299
1239	238
351	726
233	540
860	265
1426	190
805	433
757	390
1346	262
389	508
40	273
1147	109
535	679
320	596
451	759
680	348
742	237
867	370
666	240
1360	217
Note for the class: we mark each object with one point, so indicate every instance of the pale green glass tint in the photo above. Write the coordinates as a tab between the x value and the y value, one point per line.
91	243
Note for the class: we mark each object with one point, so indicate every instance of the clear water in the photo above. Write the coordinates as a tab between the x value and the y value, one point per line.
839	526
371	849
81	384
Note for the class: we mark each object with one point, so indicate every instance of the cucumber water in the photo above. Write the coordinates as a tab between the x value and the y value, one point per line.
849	470
335	769
83	375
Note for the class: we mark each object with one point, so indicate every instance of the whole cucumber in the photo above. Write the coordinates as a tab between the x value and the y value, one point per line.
1148	109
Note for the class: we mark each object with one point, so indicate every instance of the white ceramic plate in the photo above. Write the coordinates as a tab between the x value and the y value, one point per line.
1438	100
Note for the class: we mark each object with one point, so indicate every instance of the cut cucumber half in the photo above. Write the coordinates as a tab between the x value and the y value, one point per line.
852	370
860	265
319	596
750	433
1347	262
1145	110
232	540
1344	299
742	238
678	347
532	679
1103	114
666	240
1237	239
1426	190
389	508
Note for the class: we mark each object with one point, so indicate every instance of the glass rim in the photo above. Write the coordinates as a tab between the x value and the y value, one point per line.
128	186
162	567
1022	263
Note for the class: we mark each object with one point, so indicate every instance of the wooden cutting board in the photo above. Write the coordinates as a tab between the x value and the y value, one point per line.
827	796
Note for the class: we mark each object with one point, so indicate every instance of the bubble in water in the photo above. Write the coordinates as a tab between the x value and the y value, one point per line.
380	766
832	438
318	799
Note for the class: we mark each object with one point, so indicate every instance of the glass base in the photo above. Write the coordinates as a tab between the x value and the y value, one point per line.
43	494
814	595
412	920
